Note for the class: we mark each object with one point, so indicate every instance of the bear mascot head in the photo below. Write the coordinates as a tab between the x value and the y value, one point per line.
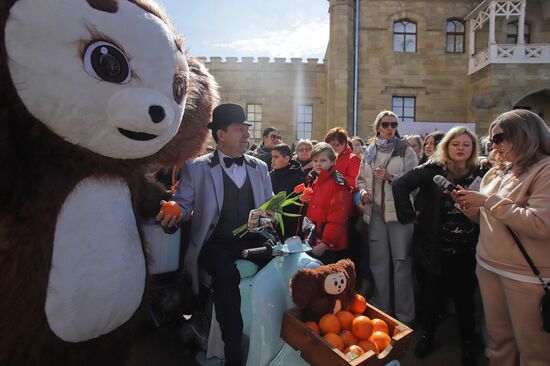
324	289
93	95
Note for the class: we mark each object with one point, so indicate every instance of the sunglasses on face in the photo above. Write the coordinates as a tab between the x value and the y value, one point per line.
497	138
388	124
274	137
303	149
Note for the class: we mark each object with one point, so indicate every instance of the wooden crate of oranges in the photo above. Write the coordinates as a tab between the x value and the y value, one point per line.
367	338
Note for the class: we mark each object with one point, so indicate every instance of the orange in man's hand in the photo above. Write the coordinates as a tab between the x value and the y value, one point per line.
170	208
329	323
358	305
362	327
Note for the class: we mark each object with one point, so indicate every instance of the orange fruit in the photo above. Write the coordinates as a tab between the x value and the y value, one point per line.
345	318
170	208
329	323
381	339
378	325
348	337
358	305
335	340
362	327
368	345
355	349
314	327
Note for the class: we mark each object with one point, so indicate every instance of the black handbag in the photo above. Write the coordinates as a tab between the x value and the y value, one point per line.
545	301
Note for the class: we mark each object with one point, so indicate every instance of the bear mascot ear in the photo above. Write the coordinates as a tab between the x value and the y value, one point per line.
348	266
201	98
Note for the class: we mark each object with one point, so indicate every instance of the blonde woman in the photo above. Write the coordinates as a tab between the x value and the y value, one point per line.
514	194
444	238
387	158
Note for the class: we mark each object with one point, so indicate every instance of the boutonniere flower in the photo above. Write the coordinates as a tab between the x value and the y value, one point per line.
276	205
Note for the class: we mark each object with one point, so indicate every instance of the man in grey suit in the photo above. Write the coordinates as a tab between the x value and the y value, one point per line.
217	192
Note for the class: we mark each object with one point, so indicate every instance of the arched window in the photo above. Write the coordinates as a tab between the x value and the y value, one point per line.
512	33
455	36
404	36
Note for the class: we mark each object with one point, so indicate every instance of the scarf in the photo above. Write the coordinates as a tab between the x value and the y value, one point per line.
381	145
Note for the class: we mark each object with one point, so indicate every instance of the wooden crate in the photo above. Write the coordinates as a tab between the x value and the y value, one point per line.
318	352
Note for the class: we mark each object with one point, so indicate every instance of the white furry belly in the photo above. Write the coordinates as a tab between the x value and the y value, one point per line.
97	276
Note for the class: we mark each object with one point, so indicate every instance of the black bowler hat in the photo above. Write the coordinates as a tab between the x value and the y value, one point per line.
225	114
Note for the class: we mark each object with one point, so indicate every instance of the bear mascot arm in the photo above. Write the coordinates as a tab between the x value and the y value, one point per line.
325	289
93	94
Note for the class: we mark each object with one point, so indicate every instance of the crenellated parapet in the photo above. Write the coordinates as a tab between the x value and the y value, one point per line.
267	63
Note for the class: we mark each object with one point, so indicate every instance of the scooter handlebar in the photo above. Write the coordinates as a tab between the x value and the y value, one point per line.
267	249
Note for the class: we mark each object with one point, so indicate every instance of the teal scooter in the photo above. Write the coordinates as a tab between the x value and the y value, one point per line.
264	299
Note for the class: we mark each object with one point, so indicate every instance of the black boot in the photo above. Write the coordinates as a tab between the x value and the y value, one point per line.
425	345
468	353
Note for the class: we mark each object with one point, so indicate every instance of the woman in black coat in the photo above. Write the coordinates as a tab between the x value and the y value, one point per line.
444	238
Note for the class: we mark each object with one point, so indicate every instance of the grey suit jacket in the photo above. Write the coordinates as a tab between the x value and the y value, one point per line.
200	193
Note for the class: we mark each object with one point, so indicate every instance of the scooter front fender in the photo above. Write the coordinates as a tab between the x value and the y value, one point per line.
269	299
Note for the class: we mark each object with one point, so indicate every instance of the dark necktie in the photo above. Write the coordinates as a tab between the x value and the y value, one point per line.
230	161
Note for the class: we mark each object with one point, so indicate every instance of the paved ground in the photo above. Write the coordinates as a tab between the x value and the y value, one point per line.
163	347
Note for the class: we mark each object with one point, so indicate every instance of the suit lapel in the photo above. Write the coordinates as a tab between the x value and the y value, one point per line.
217	177
254	174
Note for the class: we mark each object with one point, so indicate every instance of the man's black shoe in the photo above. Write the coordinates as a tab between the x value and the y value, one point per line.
425	345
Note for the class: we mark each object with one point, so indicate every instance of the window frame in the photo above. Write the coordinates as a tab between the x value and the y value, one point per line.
455	34
515	35
302	133
256	129
404	34
402	117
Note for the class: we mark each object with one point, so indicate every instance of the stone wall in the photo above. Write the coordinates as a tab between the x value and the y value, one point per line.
497	88
436	78
279	86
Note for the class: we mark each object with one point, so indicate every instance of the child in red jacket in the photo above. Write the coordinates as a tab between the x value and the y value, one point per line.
329	206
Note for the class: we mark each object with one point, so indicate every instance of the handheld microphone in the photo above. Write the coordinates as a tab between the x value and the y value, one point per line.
444	183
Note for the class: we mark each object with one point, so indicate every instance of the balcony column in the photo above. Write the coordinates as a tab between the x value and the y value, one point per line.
472	40
492	16
521	24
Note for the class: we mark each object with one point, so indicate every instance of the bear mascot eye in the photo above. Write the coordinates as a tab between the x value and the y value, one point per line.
105	61
179	88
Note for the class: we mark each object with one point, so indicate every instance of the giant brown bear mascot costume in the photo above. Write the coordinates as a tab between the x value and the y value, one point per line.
93	93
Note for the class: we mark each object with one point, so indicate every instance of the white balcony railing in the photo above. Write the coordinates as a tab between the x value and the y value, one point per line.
510	54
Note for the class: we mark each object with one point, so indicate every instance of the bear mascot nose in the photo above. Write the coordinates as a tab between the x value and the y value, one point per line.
157	113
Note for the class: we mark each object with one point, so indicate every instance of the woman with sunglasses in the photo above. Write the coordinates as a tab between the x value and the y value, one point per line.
515	195
387	158
444	238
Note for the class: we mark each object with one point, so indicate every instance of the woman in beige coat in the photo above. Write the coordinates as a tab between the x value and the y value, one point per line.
386	159
515	193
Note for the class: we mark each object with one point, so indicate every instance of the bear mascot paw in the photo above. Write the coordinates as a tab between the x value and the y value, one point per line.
325	289
93	95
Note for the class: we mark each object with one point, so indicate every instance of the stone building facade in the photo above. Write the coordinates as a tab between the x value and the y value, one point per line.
436	63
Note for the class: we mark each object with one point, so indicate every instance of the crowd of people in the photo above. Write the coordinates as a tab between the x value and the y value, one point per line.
377	201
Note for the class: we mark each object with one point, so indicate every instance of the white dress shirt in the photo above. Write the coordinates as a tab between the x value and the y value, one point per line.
236	172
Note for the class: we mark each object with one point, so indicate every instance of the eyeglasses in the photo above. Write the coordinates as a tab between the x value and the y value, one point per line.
303	149
497	138
388	124
275	137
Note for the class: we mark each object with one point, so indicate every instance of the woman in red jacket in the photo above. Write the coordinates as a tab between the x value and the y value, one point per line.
347	162
329	206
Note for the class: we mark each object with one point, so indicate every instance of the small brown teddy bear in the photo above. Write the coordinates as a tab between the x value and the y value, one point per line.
325	289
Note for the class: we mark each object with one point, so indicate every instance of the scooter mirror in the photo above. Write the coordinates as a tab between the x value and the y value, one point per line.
308	225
